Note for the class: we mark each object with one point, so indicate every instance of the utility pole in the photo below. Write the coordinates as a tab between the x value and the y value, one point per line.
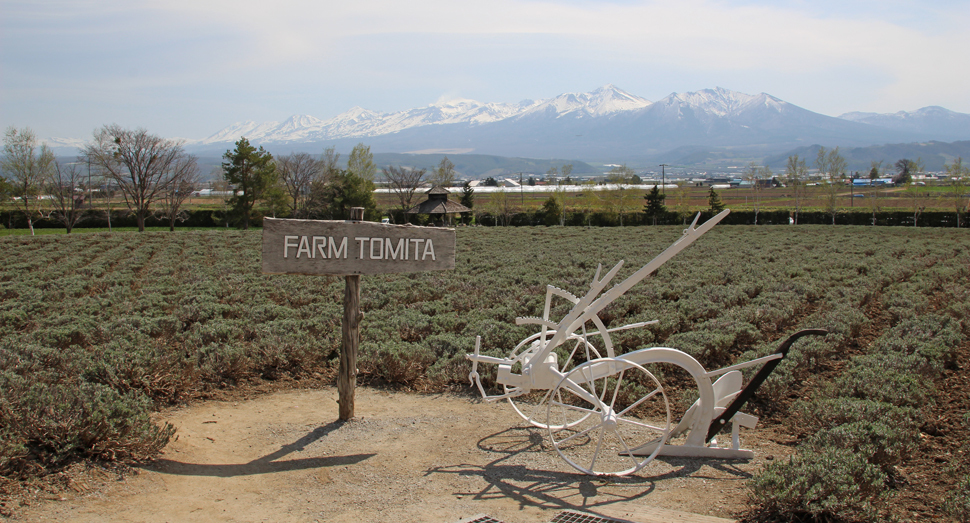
663	177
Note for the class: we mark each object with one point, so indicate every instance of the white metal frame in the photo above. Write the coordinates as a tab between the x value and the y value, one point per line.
539	370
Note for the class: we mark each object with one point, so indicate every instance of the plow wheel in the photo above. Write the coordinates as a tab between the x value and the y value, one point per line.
532	406
604	409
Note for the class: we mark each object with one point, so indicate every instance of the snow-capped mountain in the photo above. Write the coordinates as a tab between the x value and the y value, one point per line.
942	123
604	123
605	101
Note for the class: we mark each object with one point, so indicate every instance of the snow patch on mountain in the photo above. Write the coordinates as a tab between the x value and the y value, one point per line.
604	101
722	102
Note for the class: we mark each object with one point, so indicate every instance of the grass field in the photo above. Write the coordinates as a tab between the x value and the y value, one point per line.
98	330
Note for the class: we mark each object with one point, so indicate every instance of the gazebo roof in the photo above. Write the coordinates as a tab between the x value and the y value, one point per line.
443	206
438	203
437	189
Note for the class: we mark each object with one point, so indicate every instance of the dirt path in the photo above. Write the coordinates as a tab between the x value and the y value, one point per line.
407	457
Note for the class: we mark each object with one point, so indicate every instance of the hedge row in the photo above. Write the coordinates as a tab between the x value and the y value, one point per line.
211	218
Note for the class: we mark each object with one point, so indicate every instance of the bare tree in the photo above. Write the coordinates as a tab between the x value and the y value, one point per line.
444	174
502	206
959	175
185	179
297	172
143	165
875	167
588	201
63	187
26	168
403	182
328	164
758	177
919	199
835	166
796	172
621	200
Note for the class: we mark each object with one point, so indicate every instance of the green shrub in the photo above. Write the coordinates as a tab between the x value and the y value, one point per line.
57	422
886	378
823	413
826	482
882	444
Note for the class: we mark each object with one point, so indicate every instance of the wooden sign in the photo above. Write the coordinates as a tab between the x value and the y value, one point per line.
325	247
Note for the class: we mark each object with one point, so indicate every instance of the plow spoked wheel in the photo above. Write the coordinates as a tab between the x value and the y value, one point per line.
604	409
532	406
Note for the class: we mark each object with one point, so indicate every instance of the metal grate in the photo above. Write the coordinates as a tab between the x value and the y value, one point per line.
569	516
480	519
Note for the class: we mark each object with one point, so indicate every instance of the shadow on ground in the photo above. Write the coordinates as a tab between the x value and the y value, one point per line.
266	464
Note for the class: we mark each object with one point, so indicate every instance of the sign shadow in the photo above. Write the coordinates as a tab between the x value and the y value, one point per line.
266	464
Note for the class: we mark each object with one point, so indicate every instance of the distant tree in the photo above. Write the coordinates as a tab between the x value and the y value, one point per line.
297	171
403	182
959	176
552	210
332	200
589	200
655	207
27	169
552	175
361	162
796	172
875	168
276	200
185	179
904	171
566	170
758	177
835	166
141	164
444	173
560	196
913	187
620	200
714	201
620	174
467	197
63	188
491	182
328	164
251	172
822	162
681	197
532	181
502	207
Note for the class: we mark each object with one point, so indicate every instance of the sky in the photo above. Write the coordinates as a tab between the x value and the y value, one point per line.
189	68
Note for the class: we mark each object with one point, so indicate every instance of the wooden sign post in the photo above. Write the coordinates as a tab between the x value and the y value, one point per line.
351	248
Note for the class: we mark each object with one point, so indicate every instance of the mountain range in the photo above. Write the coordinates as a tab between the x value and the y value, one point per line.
607	124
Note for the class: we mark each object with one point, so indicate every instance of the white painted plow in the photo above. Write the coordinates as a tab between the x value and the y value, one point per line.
608	414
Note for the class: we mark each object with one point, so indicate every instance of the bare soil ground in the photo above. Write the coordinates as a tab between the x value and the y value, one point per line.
407	457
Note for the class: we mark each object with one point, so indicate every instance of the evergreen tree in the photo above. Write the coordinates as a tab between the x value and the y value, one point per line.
251	173
551	210
714	201
655	207
467	198
467	195
332	200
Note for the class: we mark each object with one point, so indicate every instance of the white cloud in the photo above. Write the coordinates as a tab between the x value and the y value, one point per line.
306	56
